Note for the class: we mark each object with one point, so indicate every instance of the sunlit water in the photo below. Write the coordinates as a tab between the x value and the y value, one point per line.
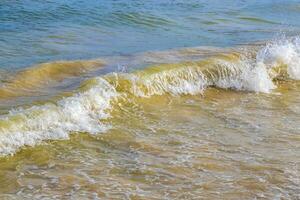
149	100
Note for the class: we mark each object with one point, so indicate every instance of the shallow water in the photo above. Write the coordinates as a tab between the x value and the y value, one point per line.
225	144
95	105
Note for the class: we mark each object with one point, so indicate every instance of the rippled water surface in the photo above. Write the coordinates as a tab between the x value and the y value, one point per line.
41	31
149	99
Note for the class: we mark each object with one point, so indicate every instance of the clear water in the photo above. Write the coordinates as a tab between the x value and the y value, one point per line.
149	99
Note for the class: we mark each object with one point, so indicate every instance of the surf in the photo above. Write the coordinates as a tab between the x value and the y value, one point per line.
88	109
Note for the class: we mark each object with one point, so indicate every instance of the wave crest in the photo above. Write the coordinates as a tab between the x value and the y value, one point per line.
81	112
91	104
284	54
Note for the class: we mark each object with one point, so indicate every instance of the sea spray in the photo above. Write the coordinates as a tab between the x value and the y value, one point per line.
284	52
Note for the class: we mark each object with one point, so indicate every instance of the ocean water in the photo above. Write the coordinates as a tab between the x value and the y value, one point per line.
149	99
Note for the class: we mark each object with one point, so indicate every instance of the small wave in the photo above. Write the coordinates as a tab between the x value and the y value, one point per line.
95	99
141	19
80	112
225	71
257	20
39	77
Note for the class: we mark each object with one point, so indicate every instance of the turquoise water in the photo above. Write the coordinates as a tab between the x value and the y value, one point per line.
32	32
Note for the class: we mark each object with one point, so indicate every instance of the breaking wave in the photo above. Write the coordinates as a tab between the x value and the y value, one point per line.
87	108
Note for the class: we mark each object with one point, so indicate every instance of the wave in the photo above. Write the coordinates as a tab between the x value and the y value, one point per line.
80	112
37	78
226	71
87	109
140	19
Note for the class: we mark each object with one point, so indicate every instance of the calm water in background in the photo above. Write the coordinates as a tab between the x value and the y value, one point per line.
40	31
149	99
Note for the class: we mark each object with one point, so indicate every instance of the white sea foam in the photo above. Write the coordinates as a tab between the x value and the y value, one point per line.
85	111
247	75
244	75
284	51
181	81
256	75
81	112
